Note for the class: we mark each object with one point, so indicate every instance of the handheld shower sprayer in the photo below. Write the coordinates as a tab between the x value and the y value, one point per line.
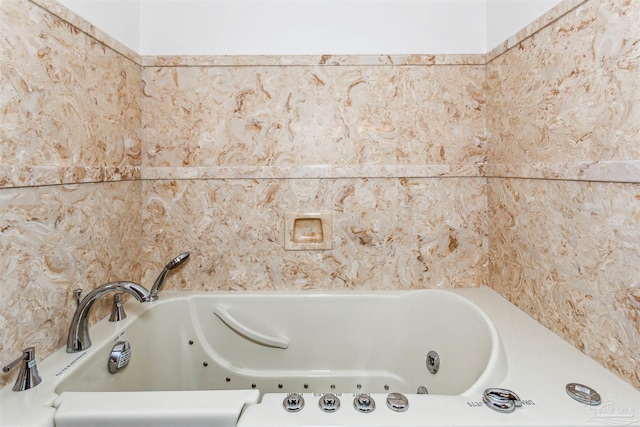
174	263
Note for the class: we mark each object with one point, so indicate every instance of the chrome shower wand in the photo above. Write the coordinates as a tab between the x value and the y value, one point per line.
174	263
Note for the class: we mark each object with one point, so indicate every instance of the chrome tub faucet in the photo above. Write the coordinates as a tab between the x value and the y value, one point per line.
78	338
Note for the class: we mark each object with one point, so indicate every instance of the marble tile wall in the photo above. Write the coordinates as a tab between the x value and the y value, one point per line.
55	239
563	124
276	125
70	203
387	233
69	104
566	252
337	138
569	93
313	115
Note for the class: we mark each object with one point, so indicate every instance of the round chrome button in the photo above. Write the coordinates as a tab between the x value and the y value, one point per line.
293	402
364	403
329	402
397	402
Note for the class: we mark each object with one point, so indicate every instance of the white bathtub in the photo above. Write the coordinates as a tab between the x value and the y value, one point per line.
226	359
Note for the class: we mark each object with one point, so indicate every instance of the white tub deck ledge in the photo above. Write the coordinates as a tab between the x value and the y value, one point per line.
199	408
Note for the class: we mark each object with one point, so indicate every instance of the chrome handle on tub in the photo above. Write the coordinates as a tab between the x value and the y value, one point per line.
248	333
28	377
501	400
117	309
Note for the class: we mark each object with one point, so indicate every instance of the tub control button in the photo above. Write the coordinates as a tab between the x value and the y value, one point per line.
397	402
293	402
329	402
583	394
364	403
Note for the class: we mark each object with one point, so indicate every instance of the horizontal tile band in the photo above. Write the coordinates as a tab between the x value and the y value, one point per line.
31	176
313	171
624	171
606	171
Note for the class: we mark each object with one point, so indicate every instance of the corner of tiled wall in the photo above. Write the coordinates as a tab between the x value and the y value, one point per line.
70	201
563	119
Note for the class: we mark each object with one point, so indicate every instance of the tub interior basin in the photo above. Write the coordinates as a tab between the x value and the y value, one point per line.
349	343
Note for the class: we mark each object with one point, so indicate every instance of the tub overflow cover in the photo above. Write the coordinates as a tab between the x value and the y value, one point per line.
119	357
501	400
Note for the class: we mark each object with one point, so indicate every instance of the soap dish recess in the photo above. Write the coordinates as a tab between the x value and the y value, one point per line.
307	231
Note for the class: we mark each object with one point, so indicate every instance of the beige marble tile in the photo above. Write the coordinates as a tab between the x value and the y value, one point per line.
315	171
28	176
66	100
538	24
86	27
570	93
55	239
601	171
386	233
567	253
250	116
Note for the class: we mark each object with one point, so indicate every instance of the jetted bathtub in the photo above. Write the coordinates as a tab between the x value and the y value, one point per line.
415	358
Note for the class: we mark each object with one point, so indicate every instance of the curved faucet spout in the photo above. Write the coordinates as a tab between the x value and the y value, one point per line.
78	338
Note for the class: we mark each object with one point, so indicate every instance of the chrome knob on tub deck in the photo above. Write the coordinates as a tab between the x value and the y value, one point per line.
293	402
329	402
78	338
364	403
28	377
